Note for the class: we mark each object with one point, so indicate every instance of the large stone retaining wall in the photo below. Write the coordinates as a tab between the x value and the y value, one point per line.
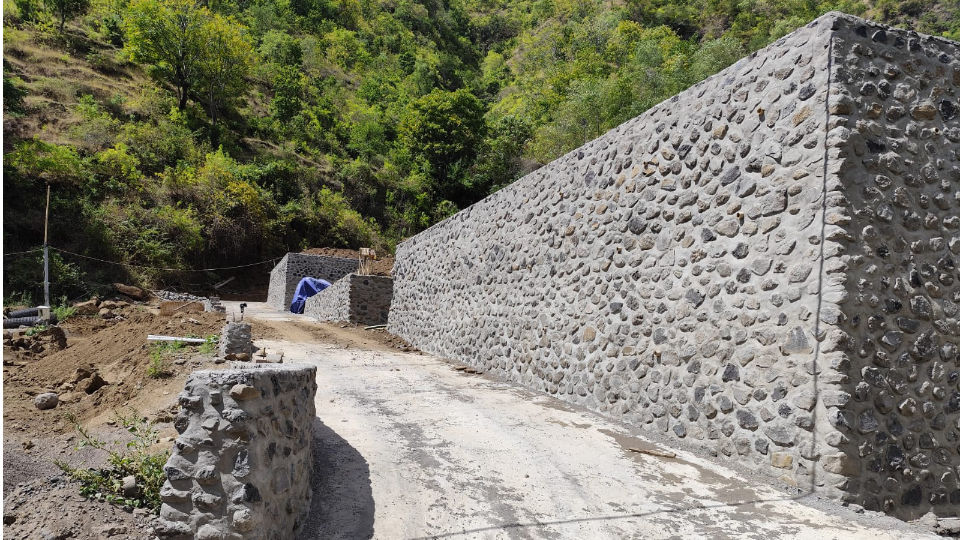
893	245
242	464
356	299
295	266
762	266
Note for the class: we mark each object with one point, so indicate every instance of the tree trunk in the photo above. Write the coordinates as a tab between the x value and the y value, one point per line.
183	98
213	108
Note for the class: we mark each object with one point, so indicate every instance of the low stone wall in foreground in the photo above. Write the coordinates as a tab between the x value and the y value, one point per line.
242	464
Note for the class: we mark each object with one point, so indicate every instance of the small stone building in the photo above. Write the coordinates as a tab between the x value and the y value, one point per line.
295	266
763	268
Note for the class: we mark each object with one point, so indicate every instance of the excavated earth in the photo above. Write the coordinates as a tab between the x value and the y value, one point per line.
102	370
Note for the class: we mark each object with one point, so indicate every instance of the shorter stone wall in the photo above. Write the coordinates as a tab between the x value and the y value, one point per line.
242	464
356	299
332	303
295	266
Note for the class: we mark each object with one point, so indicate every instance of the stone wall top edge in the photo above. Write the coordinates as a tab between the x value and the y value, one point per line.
844	18
247	371
318	257
694	92
375	277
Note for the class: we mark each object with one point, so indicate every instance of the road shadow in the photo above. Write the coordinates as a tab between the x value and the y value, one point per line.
342	503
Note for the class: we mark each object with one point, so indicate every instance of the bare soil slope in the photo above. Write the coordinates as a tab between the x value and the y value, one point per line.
102	369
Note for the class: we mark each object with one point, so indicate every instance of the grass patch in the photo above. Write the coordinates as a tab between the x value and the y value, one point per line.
36	329
132	458
159	352
63	310
210	345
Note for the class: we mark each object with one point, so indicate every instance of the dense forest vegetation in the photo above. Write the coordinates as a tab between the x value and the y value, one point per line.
206	133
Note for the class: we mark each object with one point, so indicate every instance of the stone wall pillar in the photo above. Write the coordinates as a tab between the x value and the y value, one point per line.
242	464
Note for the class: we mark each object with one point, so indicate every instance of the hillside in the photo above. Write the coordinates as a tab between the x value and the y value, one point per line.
264	127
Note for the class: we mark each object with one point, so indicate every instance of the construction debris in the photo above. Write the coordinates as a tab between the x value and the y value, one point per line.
653	452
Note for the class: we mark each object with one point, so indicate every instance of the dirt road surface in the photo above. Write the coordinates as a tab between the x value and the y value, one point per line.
410	447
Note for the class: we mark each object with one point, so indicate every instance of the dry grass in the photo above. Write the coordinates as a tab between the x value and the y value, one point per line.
57	71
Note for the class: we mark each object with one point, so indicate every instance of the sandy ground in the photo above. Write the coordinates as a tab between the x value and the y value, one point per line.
410	447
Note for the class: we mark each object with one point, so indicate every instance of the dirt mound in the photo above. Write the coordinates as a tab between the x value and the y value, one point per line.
383	266
103	369
104	366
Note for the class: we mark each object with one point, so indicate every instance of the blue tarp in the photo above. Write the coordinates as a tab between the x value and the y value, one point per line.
307	287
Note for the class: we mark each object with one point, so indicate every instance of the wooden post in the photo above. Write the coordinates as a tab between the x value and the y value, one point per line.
46	253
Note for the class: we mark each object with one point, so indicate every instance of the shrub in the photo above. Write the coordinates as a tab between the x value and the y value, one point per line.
13	94
23	277
132	458
157	369
30	10
51	162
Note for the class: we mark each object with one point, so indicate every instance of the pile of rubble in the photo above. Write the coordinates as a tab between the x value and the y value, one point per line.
36	342
211	304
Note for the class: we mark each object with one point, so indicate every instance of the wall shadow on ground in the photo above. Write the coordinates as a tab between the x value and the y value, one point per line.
342	506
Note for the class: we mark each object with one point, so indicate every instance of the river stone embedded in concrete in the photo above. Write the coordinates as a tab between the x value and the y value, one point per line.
295	266
242	464
356	299
764	266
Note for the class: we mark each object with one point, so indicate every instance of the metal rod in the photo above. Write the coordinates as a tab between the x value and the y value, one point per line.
46	252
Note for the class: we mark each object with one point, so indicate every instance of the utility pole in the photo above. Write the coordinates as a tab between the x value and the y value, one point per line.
46	253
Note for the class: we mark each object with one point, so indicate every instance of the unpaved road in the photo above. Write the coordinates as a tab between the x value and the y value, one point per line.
412	448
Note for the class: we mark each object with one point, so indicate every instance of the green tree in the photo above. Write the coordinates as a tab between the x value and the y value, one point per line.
444	127
190	47
67	9
224	63
287	93
170	35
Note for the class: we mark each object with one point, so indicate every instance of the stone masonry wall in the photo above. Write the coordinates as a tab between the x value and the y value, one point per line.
703	270
295	266
357	299
332	303
242	464
660	273
894	334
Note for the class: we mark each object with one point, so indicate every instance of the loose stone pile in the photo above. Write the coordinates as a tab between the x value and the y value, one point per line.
242	464
355	299
295	266
764	265
236	341
210	304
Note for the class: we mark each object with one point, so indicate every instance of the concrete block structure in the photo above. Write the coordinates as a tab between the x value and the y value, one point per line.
242	464
355	299
295	266
763	267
